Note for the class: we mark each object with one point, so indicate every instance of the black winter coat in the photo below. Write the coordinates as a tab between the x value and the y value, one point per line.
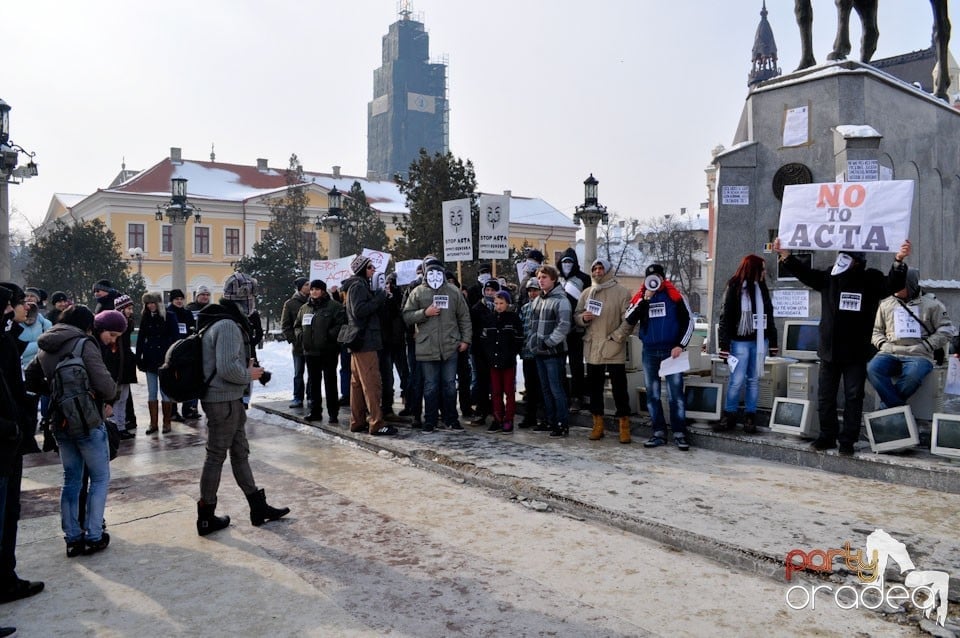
730	316
501	339
152	341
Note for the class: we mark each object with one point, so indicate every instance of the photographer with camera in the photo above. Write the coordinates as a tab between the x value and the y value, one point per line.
229	363
665	325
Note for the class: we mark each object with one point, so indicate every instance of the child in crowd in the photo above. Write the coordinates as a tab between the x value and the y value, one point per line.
502	338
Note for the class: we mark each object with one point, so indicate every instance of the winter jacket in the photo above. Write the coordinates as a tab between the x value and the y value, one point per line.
29	336
180	323
664	321
363	310
481	316
845	332
730	316
527	330
152	341
550	322
129	358
57	343
226	352
501	339
576	281
16	425
317	325
438	338
605	336
288	320
112	356
106	302
929	310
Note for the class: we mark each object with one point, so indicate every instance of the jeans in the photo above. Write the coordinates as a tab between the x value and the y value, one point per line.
896	378
552	374
440	391
854	375
651	374
153	387
90	451
299	365
226	432
747	374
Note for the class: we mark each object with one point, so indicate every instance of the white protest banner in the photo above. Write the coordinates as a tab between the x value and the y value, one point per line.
861	216
457	231
378	258
494	222
331	271
407	271
791	302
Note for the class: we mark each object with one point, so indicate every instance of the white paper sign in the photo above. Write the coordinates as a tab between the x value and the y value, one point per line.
732	361
182	328
861	216
791	303
378	258
494	224
331	271
851	301
441	301
658	310
796	126
571	289
594	306
675	366
863	170
307	319
457	231
953	376
735	195
905	326
407	271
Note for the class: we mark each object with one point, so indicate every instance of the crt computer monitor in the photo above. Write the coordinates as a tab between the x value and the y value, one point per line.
891	429
792	416
945	435
704	400
800	339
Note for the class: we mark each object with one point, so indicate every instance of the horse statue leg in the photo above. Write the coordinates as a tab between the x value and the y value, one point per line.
803	11
941	38
867	10
841	44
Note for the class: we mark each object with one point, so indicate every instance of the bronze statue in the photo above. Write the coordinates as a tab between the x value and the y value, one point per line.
867	10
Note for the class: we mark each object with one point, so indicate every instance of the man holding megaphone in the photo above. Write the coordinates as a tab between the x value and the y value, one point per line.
665	325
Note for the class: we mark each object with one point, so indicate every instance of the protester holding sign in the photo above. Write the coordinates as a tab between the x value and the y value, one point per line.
746	330
850	294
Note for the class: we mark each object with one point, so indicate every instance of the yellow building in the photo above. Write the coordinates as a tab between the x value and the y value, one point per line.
234	200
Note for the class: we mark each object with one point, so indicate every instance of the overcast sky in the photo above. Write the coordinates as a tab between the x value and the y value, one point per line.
542	93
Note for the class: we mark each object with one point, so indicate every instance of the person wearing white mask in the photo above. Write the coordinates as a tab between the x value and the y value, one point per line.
850	294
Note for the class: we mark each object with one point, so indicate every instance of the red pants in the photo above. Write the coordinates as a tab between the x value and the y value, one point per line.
504	381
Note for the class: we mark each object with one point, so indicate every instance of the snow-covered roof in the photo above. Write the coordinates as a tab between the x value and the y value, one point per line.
533	210
67	200
851	131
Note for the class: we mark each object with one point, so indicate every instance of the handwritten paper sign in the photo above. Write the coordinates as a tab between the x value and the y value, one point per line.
861	216
331	271
378	258
407	271
494	224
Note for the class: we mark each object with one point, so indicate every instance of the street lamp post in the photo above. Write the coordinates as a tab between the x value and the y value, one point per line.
178	211
332	221
137	253
9	172
590	215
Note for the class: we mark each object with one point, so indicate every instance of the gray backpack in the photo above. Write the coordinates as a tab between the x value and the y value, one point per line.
74	409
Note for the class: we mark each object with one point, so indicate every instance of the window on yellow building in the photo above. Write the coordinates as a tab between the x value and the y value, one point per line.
201	240
135	236
166	239
232	241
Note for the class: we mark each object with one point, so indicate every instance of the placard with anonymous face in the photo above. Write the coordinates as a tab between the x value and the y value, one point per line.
457	231
494	224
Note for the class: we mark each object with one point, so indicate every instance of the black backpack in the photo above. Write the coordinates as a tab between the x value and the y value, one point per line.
74	409
181	375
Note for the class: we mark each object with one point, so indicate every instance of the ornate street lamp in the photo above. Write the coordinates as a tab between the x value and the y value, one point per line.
332	221
9	172
178	212
590	215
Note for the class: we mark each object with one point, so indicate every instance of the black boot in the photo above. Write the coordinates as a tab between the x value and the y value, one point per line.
260	512
207	521
728	420
749	423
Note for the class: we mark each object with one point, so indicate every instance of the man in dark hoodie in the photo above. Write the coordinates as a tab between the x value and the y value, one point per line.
228	356
850	294
105	295
288	318
15	441
574	281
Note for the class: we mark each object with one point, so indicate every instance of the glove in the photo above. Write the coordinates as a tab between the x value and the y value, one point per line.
724	355
774	351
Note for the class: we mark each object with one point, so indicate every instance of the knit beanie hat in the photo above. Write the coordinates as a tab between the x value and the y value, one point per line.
176	293
104	284
122	302
359	264
503	294
111	320
655	269
58	297
299	282
203	290
493	284
318	284
79	317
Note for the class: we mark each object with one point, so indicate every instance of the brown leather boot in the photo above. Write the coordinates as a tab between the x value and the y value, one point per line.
597	432
624	429
154	417
167	413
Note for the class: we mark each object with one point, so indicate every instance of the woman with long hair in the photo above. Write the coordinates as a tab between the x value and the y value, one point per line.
152	343
746	331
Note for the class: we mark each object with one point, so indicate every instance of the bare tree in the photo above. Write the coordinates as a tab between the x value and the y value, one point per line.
617	243
673	243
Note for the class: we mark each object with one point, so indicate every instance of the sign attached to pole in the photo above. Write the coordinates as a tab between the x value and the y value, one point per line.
858	216
457	231
494	221
378	258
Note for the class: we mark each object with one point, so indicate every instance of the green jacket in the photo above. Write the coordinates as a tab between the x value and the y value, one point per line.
437	338
317	325
288	319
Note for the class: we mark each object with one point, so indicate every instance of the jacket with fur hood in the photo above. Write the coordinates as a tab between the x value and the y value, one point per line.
153	338
605	336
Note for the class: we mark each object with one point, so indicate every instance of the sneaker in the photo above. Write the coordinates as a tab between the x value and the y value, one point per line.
479	419
846	449
75	548
494	427
428	427
456	427
20	589
126	435
526	423
405	412
295	405
392	417
541	426
385	430
176	417
313	417
658	439
680	441
191	415
99	545
507	428
333	420
823	443
417	423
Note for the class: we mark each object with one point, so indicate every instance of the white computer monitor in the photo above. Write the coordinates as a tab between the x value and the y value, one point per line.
945	435
891	429
791	416
704	400
800	339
